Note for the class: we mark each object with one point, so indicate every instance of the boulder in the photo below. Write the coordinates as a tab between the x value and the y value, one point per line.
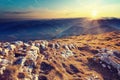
57	46
2	68
18	43
4	62
66	47
42	46
67	53
29	63
32	55
35	77
35	49
71	46
5	52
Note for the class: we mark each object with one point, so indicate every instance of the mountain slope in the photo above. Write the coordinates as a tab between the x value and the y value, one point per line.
52	64
90	27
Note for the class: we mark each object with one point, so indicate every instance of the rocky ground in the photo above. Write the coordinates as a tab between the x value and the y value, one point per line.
60	59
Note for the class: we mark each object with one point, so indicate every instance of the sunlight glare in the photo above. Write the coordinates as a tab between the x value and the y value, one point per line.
94	14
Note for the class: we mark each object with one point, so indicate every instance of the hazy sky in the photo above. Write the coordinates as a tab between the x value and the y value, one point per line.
59	8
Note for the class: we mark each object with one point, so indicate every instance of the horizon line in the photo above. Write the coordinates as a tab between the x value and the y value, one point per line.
56	18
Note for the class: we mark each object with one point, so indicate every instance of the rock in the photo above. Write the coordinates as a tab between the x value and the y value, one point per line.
57	46
71	46
104	50
18	43
32	55
35	77
19	61
35	49
66	47
109	67
103	65
67	53
4	52
116	53
37	44
43	45
63	54
30	63
26	45
109	58
4	62
42	48
12	47
2	68
119	72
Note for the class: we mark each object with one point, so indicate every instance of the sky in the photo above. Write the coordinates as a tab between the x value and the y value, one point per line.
42	9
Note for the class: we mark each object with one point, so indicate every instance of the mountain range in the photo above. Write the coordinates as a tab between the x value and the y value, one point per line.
55	28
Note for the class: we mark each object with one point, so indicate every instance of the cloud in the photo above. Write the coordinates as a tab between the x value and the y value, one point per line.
16	12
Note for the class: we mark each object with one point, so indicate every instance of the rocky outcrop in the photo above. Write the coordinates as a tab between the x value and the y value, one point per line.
61	59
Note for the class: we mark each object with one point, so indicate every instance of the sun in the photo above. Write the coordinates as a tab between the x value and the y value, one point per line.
94	14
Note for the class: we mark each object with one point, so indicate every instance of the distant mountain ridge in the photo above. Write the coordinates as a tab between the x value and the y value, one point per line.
55	28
